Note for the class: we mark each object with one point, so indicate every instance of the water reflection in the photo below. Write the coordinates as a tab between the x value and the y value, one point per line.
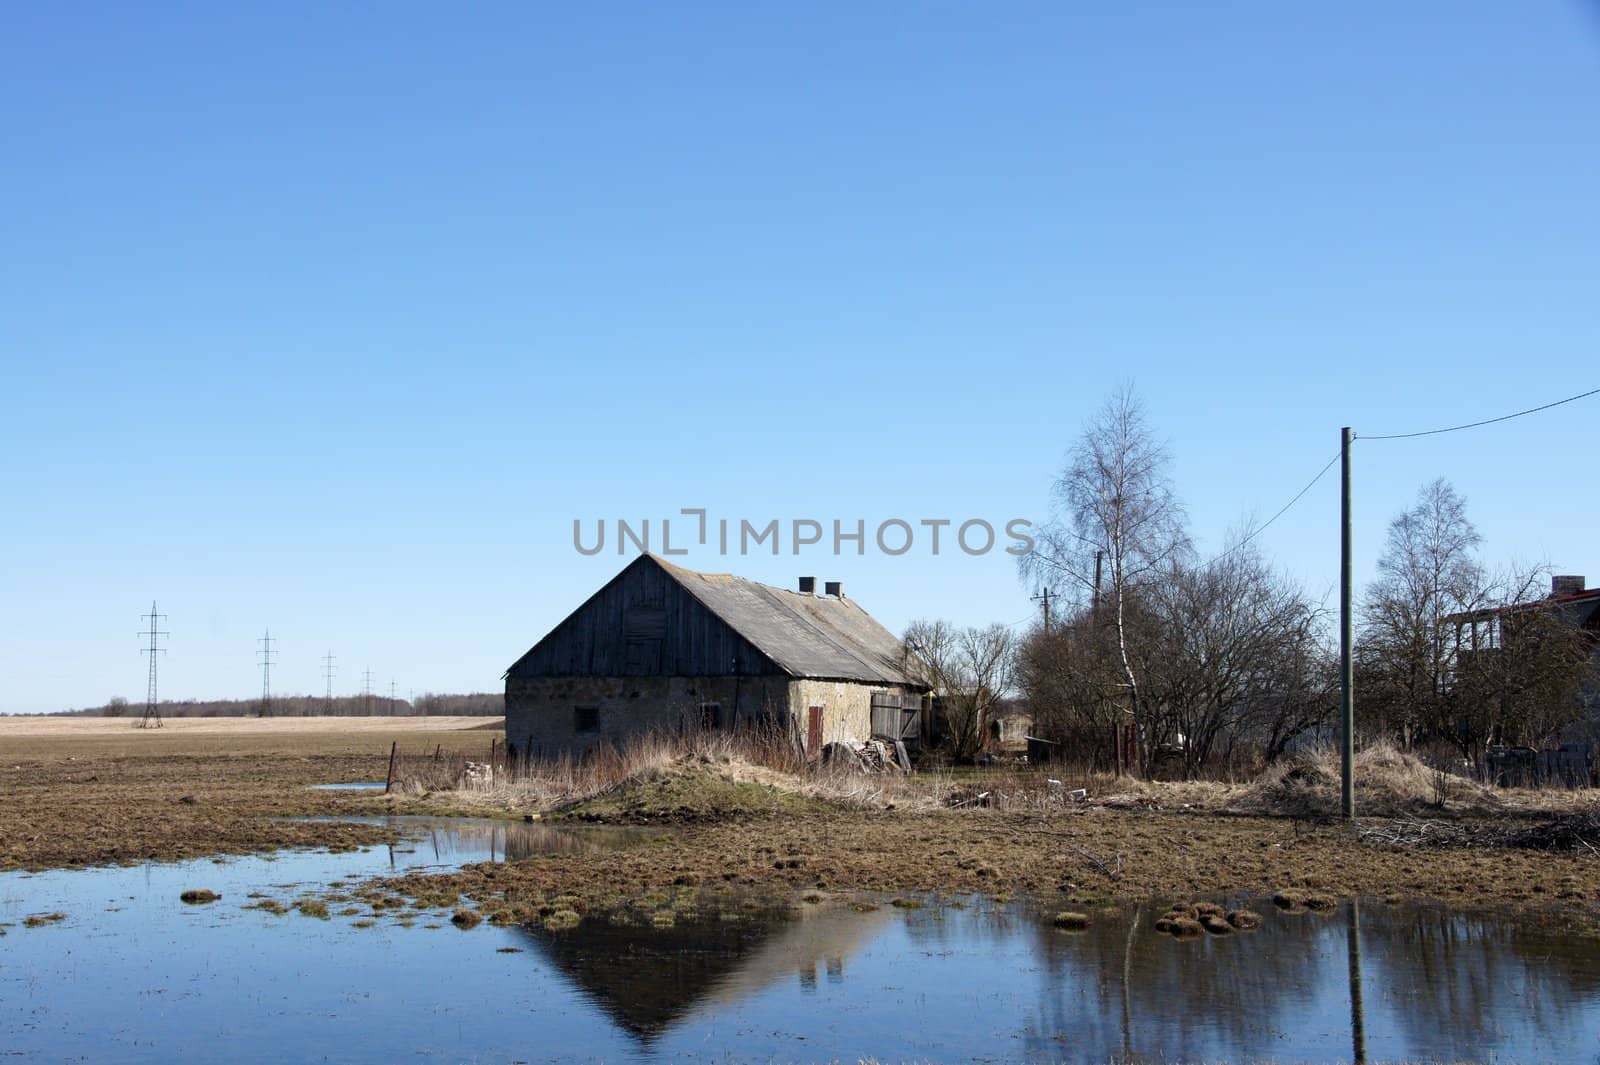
649	979
459	840
1427	981
1358	1011
132	974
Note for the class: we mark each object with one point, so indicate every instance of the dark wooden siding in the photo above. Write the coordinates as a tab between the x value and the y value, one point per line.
643	624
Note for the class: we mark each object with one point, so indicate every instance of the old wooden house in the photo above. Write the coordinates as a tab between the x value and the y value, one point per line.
661	647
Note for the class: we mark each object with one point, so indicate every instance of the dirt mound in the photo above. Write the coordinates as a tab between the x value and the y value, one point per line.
694	789
1389	783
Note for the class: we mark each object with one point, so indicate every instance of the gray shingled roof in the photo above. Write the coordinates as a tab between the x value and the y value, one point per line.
806	635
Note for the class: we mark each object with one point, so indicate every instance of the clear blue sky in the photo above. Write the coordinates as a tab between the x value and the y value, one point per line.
333	318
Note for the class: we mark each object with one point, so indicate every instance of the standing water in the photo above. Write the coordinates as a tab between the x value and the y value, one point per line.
133	974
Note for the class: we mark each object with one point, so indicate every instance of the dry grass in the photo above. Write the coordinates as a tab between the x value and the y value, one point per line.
748	769
1389	783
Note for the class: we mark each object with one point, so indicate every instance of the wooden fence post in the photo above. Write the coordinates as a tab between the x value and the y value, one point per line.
388	781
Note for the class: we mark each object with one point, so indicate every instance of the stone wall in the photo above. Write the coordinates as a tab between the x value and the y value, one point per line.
542	712
846	706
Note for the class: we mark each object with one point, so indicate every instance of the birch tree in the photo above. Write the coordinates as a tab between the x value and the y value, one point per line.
1116	523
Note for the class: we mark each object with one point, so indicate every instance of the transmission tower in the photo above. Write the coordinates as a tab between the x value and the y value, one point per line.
327	675
152	710
366	694
266	643
391	696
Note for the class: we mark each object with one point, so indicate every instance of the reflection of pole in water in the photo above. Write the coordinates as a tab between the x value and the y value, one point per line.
1127	983
1358	1016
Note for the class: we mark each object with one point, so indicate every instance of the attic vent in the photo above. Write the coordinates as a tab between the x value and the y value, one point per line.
833	589
1566	585
808	586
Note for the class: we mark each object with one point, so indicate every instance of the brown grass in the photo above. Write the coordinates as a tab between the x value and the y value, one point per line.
1389	783
763	768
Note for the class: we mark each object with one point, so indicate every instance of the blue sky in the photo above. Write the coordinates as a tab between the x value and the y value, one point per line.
333	320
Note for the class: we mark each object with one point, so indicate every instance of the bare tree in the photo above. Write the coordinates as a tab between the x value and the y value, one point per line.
1071	676
1520	667
1427	573
969	671
1116	522
1237	657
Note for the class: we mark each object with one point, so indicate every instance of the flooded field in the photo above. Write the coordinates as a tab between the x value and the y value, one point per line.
133	973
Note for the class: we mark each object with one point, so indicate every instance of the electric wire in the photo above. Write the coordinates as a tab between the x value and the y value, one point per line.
1486	421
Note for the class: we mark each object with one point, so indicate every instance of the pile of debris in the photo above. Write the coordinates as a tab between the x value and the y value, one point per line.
871	756
478	774
1562	832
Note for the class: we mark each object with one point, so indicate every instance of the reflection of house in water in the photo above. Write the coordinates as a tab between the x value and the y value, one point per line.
649	979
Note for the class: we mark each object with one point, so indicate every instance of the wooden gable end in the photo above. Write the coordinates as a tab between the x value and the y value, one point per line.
643	624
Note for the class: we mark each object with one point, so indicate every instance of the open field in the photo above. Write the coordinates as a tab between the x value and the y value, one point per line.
52	738
76	792
84	791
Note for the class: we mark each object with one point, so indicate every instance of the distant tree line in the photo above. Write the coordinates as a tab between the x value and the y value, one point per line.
476	704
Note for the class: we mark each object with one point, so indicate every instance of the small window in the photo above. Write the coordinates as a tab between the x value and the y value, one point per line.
586	719
710	716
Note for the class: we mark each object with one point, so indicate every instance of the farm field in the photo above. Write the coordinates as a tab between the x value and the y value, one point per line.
87	791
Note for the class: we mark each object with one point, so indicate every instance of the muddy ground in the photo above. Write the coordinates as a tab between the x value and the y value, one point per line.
66	801
73	795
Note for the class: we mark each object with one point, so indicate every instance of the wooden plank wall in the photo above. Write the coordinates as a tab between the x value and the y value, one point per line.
643	624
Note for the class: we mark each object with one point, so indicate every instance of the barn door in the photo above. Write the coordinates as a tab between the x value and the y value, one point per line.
814	732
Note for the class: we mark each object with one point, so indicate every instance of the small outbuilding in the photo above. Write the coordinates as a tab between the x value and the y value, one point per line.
661	647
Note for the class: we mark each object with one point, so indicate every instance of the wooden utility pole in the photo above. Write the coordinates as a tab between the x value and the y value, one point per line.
1094	603
1347	671
1043	598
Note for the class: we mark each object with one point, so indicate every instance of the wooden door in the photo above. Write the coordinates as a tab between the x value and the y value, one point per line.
814	732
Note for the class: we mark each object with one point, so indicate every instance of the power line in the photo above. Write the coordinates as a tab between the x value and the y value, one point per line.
1486	421
327	675
1258	530
266	643
152	709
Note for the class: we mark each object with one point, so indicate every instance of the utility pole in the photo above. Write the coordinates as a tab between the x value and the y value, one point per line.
1347	670
266	642
1043	598
327	676
366	693
1099	560
152	709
